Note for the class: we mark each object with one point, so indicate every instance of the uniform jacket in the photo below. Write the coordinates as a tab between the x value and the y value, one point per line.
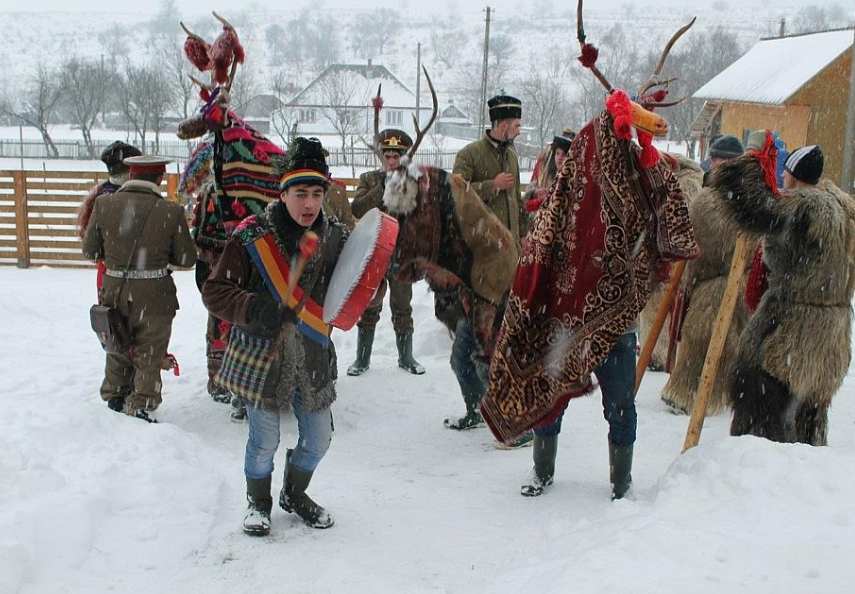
369	192
163	239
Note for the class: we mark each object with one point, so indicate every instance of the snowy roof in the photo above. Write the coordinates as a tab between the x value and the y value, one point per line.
355	84
775	69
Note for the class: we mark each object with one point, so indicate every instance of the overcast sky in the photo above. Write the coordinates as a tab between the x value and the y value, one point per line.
188	7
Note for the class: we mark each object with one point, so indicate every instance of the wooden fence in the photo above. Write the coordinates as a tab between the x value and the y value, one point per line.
38	215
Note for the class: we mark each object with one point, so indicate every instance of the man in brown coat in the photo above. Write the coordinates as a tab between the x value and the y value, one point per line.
369	194
139	234
492	168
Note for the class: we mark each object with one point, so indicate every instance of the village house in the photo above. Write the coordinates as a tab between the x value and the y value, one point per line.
797	85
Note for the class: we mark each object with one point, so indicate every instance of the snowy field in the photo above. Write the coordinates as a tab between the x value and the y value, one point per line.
92	501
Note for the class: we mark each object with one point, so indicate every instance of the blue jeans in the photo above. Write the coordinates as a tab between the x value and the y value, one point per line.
617	383
314	430
471	379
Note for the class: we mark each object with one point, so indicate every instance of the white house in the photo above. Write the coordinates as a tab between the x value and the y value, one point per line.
338	101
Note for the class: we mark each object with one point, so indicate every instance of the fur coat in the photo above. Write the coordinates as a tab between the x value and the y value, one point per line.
800	333
690	176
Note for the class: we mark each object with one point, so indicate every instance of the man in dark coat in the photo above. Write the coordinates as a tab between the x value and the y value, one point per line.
369	194
139	235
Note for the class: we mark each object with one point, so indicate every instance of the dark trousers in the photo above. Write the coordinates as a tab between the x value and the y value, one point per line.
471	373
400	296
617	383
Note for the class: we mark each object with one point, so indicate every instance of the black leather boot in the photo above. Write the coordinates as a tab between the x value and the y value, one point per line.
293	498
364	342
404	340
256	522
620	469
544	452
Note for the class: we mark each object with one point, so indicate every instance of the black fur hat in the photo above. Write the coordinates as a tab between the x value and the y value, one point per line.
305	163
115	153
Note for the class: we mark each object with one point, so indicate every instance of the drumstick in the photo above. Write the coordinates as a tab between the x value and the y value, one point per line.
308	246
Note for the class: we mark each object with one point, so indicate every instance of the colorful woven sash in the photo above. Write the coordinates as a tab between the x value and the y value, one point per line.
274	269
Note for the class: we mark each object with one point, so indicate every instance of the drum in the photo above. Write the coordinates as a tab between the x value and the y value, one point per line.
360	269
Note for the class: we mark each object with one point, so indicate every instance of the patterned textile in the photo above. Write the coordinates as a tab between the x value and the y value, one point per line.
588	266
247	364
243	164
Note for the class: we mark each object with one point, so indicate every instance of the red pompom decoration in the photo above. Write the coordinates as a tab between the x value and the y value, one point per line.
377	102
757	283
618	105
532	204
309	244
660	95
589	55
198	52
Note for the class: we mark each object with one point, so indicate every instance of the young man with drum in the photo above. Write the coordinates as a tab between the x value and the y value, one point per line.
281	357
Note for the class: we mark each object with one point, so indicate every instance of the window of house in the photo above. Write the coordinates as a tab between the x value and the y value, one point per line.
394	118
308	116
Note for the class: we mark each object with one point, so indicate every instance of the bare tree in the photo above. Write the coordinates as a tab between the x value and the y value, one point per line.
371	32
447	43
345	107
542	97
38	104
501	50
86	85
114	44
145	100
283	120
817	18
177	71
245	89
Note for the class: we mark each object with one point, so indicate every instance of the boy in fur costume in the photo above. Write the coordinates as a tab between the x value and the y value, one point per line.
279	358
795	350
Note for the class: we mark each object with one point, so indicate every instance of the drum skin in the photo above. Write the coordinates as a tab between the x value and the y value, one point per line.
360	269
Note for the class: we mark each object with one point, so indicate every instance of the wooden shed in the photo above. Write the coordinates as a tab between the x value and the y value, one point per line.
797	85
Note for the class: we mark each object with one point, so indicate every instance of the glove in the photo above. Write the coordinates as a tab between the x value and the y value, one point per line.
264	313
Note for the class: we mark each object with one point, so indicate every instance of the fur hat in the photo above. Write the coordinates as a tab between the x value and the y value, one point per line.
563	141
394	140
305	163
504	107
806	164
115	153
726	147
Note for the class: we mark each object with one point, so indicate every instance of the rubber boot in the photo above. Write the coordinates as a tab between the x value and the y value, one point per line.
620	469
471	420
256	522
293	497
404	340
544	452
364	342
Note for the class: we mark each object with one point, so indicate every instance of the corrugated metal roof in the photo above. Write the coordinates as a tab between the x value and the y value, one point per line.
775	69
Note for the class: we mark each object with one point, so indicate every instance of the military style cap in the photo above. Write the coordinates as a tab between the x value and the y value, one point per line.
115	153
147	164
504	107
563	141
392	139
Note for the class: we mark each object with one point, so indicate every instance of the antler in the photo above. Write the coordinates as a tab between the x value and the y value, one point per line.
199	83
377	102
589	52
420	134
222	20
653	81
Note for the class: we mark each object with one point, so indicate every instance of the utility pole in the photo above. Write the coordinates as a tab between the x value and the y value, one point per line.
483	99
418	82
848	175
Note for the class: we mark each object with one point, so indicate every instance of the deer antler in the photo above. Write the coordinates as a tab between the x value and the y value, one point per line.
420	134
377	102
589	52
222	20
199	83
654	81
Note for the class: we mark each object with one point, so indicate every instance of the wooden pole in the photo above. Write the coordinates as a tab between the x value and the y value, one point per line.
659	322
22	229
720	330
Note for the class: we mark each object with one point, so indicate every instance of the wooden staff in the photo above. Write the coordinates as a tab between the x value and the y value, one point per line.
659	322
720	330
308	246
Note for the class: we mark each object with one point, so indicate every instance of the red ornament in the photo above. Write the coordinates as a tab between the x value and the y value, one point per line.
659	96
197	51
618	105
589	55
309	244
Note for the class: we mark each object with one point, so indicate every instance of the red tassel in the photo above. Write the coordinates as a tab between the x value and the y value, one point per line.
758	281
377	103
589	55
224	51
532	204
649	154
660	95
768	159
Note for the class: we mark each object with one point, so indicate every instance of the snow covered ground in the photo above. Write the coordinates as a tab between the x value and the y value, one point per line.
91	501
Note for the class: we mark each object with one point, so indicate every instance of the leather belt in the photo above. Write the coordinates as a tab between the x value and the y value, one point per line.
137	274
